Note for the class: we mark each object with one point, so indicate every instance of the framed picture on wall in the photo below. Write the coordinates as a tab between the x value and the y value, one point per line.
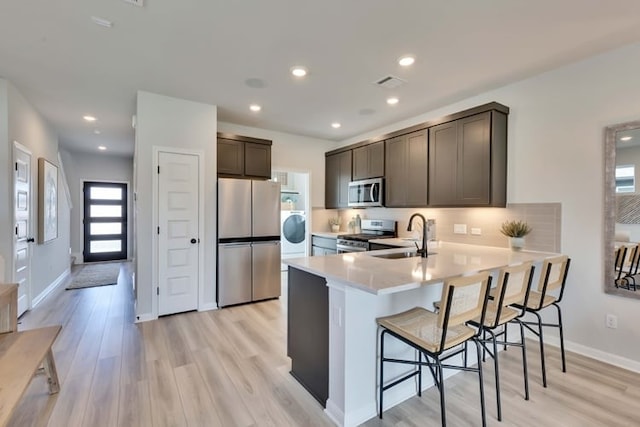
47	201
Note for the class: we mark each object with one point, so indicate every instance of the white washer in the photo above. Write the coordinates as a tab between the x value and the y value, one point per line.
294	234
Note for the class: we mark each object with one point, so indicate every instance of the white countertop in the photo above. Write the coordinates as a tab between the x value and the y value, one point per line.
375	275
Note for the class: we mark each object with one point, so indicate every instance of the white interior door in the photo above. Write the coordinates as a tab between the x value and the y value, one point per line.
178	234
22	230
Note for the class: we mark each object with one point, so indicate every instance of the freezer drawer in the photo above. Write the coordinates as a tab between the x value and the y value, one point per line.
234	274
266	270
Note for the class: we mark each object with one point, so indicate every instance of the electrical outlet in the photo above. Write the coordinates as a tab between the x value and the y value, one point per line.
611	321
459	228
476	231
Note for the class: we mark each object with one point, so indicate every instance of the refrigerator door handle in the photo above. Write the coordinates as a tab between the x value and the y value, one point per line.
230	245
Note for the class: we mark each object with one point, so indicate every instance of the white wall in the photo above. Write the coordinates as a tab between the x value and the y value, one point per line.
97	166
49	261
293	153
6	202
556	154
170	122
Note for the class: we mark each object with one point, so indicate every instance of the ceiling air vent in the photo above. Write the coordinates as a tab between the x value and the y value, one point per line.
136	2
390	82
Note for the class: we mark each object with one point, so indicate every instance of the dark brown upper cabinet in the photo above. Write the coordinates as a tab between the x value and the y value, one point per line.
459	160
406	165
368	161
244	157
468	161
337	178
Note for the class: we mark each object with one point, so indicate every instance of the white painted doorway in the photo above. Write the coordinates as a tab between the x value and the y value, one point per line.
22	225
178	232
295	215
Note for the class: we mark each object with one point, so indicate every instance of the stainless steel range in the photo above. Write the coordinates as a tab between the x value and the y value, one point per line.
371	229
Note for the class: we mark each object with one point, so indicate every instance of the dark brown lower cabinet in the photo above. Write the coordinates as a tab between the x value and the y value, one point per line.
308	332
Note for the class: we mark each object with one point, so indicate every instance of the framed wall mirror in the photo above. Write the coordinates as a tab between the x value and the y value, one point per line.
622	209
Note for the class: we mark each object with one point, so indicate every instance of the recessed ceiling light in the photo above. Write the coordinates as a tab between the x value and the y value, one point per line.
392	101
255	107
407	60
625	138
102	22
101	147
89	118
299	71
97	131
335	125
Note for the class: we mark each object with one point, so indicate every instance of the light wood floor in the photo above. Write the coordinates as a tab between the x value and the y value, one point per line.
229	368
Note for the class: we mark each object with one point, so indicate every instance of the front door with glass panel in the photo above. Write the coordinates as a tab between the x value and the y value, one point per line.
105	221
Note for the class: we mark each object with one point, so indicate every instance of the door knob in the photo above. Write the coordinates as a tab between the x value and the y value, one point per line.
193	241
31	240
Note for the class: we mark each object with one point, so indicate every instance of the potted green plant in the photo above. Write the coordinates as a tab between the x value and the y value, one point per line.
515	230
335	224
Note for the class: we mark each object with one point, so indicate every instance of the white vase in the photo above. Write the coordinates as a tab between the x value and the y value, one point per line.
517	243
335	228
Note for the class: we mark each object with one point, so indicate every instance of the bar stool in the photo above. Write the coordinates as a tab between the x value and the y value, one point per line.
432	334
513	287
553	277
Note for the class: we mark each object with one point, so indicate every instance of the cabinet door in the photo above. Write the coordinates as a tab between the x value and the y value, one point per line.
460	162
406	170
337	178
417	168
474	160
443	161
230	157
368	161
396	173
257	161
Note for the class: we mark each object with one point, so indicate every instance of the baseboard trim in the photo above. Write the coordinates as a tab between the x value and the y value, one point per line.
37	300
145	317
208	307
594	353
79	258
334	412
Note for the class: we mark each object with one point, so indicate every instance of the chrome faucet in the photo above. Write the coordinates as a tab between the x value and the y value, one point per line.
424	251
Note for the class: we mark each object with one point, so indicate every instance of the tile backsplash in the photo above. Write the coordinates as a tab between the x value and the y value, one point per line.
544	219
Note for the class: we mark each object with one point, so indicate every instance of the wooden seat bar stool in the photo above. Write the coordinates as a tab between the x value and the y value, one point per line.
438	336
513	287
553	277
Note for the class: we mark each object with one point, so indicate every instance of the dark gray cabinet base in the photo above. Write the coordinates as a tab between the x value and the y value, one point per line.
308	332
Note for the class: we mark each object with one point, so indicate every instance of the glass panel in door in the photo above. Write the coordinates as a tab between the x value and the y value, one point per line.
105	221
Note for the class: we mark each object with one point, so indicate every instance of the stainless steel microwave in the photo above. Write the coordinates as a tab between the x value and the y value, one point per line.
366	193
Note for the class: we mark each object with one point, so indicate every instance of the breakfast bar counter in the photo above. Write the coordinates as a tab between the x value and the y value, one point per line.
356	289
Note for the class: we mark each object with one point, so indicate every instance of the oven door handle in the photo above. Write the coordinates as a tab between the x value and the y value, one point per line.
347	249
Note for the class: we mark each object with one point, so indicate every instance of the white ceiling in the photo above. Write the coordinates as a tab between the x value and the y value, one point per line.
205	50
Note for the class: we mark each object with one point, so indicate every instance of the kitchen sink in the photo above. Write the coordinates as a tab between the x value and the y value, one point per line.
397	255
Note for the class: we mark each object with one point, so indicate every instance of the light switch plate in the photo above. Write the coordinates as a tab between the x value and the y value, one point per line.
459	228
476	231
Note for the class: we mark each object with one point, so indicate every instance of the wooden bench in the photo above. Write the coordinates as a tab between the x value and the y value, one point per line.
22	354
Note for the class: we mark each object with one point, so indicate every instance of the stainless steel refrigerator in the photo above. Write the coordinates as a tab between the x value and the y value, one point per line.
248	240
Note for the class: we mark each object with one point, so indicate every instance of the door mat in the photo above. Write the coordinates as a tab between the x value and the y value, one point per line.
95	275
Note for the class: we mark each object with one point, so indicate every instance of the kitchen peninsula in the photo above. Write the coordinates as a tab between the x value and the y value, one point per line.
334	301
